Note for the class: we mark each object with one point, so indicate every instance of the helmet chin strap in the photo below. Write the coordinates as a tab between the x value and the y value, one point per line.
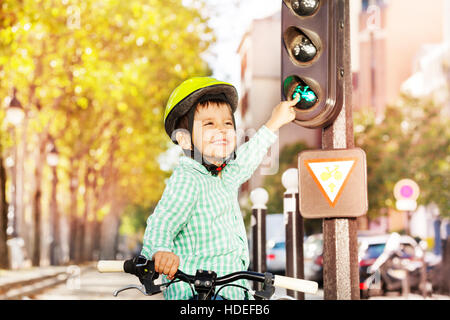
196	154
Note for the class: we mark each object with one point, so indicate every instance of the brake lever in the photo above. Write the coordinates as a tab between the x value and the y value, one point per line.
267	290
131	286
144	269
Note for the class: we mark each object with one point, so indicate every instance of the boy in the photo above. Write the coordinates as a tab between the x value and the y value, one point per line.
198	224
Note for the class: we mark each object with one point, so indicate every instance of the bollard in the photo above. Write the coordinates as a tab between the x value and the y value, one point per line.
405	284
294	230
259	198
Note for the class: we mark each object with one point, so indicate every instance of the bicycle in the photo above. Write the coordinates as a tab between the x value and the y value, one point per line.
204	282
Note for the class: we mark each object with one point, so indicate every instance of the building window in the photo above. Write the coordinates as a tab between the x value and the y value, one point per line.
243	66
367	3
245	187
244	104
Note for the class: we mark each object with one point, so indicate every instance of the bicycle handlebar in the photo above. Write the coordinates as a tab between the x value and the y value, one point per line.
289	283
110	266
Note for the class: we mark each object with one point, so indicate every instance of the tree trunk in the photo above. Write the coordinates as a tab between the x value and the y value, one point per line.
96	239
83	227
73	221
4	255
37	208
55	245
110	228
95	235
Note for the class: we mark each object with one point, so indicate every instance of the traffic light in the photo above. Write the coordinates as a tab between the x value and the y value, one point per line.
313	59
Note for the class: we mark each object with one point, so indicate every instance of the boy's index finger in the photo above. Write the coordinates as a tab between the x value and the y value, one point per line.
295	100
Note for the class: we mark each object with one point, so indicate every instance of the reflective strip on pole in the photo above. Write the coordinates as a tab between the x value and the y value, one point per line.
259	198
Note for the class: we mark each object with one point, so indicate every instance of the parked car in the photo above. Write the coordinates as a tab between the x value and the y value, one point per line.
312	248
382	269
370	248
276	256
275	244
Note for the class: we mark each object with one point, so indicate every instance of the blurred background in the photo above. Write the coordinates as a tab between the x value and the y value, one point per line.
83	87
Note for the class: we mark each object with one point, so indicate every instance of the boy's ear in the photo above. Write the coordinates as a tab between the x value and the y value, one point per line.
184	139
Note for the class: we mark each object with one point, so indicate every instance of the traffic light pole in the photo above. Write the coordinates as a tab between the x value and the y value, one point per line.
340	252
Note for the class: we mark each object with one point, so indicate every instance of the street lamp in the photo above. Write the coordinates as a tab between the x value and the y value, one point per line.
53	156
15	112
14	115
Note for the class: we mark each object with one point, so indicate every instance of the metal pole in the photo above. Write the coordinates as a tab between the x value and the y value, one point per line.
294	244
259	198
408	222
340	251
259	242
14	180
423	277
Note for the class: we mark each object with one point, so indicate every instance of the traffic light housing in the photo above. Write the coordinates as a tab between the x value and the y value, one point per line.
312	59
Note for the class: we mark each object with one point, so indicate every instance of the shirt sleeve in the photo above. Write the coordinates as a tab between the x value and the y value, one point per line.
249	156
171	213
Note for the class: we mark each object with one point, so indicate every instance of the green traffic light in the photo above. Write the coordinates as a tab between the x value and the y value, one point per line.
293	86
307	97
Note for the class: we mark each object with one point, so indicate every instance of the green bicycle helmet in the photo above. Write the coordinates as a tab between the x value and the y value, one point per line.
189	92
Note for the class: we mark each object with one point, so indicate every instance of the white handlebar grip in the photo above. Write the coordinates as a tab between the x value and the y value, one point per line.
110	266
296	284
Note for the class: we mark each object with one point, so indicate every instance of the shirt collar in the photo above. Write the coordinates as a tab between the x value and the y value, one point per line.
189	162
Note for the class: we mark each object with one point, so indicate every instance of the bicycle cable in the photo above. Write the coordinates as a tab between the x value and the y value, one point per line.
230	285
212	287
167	284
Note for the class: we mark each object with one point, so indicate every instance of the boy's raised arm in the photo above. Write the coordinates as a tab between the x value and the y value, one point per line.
170	214
250	154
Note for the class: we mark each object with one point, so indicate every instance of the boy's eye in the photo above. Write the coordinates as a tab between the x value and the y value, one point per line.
229	123
208	123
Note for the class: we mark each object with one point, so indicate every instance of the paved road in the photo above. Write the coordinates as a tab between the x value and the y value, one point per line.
92	285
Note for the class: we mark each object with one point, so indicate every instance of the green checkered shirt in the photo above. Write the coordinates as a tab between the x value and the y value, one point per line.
198	217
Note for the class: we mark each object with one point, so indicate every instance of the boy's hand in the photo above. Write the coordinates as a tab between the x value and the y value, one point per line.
282	114
166	263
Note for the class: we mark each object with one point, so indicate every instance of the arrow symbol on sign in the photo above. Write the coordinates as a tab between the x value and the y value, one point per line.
331	182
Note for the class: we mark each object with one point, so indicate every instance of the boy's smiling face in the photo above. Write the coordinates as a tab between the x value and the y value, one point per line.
213	131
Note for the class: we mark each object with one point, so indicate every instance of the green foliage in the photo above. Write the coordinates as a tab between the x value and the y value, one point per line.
95	76
412	141
288	159
134	219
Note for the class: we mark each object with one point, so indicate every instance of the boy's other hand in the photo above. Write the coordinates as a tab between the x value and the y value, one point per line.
283	113
166	263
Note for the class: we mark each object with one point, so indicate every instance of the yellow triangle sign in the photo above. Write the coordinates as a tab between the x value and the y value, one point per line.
331	175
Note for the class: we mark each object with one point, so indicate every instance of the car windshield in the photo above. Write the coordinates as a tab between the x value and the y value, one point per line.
279	245
374	251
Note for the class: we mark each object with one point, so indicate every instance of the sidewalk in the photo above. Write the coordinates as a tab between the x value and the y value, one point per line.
411	296
102	289
9	276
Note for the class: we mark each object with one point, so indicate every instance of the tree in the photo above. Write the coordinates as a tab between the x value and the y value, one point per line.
411	141
94	77
10	13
